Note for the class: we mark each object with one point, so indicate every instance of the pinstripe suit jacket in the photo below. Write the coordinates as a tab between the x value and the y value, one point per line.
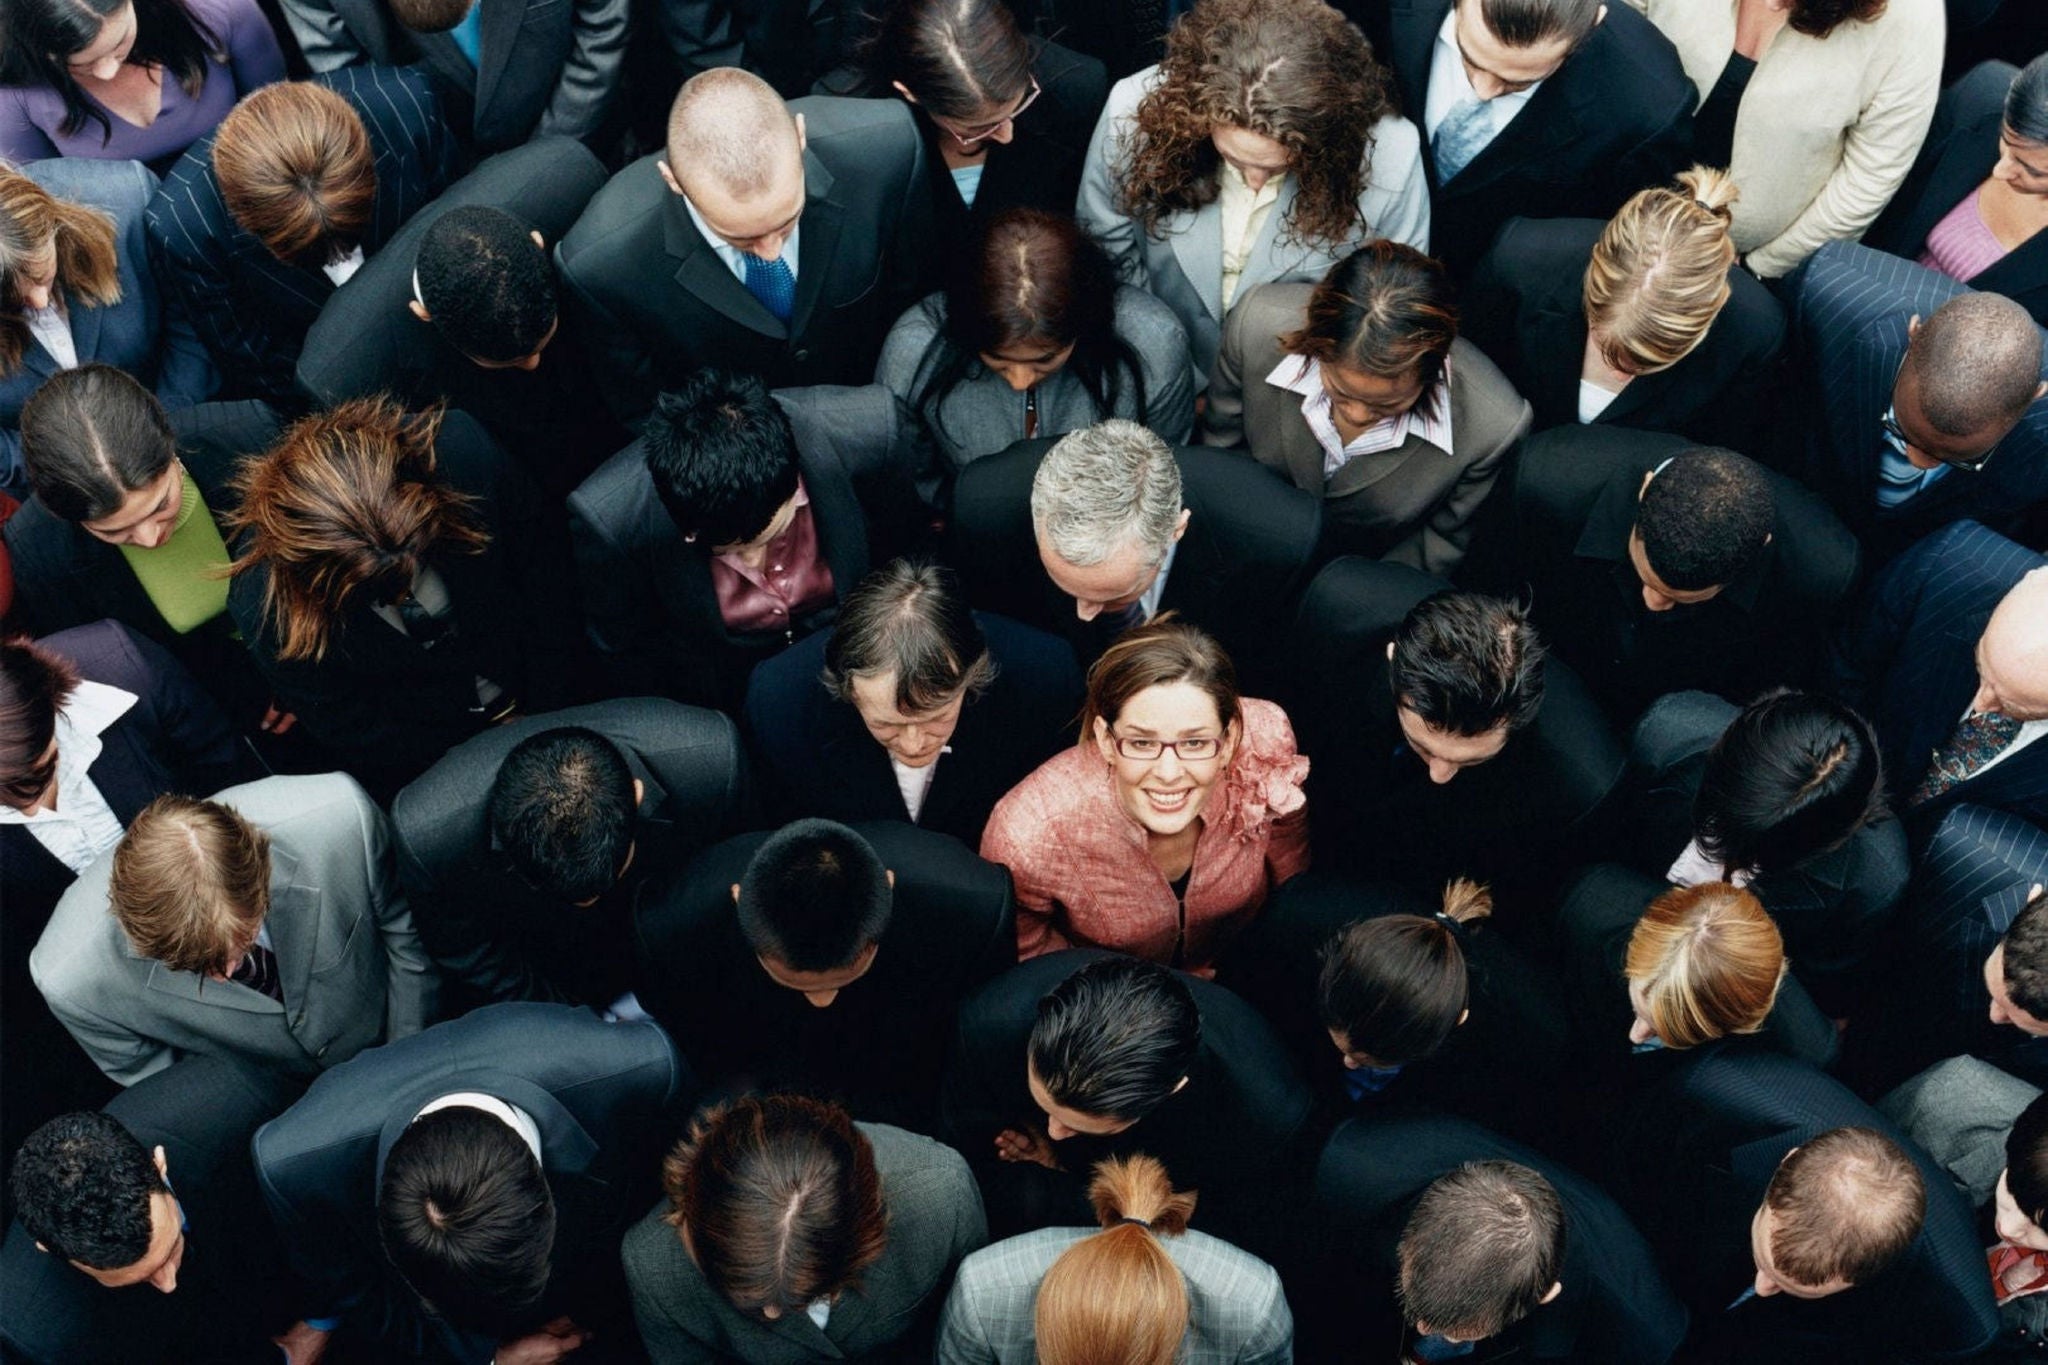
1850	307
251	309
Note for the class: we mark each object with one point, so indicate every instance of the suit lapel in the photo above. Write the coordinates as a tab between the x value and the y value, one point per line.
2025	267
294	920
709	280
87	323
1548	121
497	30
1197	243
1962	167
1411	39
817	244
836	515
441	52
1286	425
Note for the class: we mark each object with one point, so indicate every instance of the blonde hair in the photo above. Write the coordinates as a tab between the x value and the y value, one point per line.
188	880
88	270
1117	1298
1659	273
1709	961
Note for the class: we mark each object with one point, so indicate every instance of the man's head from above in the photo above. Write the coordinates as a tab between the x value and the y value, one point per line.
1482	1250
723	459
190	885
814	903
1105	506
736	152
86	1190
466	1217
35	685
1467	673
2016	972
2012	653
2020	1205
1509	45
1969	374
1702	517
1840	1210
297	171
1110	1044
483	279
564	810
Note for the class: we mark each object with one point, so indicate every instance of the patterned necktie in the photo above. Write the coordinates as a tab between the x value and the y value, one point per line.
1978	738
258	971
773	284
1462	135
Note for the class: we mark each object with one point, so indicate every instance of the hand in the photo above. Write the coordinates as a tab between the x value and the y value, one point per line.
276	722
302	1345
1027	1144
545	1347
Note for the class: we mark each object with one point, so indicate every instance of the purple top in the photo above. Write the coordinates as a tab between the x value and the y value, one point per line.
31	115
1960	246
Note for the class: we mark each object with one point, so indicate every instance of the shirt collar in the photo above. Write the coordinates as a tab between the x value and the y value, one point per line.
512	1115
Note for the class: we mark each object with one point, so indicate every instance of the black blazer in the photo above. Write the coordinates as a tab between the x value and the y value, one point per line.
1613	1307
648	600
1957	157
501	938
1616	117
649	300
880	1045
1524	308
816	757
233	1288
1247	551
597	1091
788	43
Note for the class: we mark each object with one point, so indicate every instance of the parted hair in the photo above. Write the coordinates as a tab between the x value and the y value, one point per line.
958	57
32	220
1847	1204
90	436
1795	775
1709	961
82	1186
1101	488
347	503
780	1200
1659	273
2026	957
1116	1038
35	683
188	881
1117	1298
296	171
1467	663
1396	985
1295	71
1385	309
911	620
1164	650
1482	1247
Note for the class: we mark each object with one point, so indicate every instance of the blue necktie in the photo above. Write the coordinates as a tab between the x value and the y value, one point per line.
773	284
1462	135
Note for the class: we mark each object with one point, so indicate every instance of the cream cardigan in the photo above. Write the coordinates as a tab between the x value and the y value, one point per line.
1828	127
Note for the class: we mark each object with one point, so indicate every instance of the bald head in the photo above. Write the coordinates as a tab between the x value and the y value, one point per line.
1978	363
730	133
2012	654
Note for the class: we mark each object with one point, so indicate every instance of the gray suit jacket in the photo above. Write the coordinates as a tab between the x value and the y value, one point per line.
1413	504
1960	1110
1237	1314
353	971
1184	264
935	1218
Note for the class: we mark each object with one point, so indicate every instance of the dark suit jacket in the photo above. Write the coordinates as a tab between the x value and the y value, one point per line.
816	757
500	937
233	1288
1246	553
1961	149
1850	307
648	599
1525	309
1908	661
1617	116
593	1088
650	300
251	309
1571	503
1692	1158
1613	1306
880	1045
788	43
1235	1130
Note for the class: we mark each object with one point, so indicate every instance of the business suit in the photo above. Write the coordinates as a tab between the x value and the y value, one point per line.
1526	309
497	937
1612	1306
1692	1158
1410	505
543	68
1571	506
650	300
233	1289
1616	117
1247	551
791	44
816	757
345	988
1850	309
1961	149
880	1044
935	1218
1182	260
601	1095
251	309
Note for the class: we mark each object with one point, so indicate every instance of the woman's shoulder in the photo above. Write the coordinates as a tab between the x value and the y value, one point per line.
1143	318
1266	727
1065	788
121	189
1267	773
1395	141
224	16
1126	93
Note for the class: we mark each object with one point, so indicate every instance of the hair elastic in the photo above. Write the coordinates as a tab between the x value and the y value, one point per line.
1141	1222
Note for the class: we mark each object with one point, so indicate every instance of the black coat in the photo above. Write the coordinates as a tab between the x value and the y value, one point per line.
788	43
879	1046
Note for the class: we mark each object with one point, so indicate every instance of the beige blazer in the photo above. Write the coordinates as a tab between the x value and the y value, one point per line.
1411	505
1828	127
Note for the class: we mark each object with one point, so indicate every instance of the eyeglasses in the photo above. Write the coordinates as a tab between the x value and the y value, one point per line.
1896	434
967	137
1200	749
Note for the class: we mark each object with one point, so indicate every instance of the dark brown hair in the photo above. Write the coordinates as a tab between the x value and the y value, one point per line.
35	683
296	171
32	218
959	57
1821	17
1385	309
1396	985
1164	650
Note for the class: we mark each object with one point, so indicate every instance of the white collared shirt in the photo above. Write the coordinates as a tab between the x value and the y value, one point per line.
1243	211
52	330
518	1119
342	269
1429	419
83	827
916	783
1594	400
1692	867
735	259
1449	87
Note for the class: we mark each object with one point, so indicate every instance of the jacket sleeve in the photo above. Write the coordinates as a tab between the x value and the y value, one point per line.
622	367
1272	1341
411	988
963	1338
1096	207
1438	545
590	75
1401	188
193	273
1170	384
1866	645
1007	845
207	752
612	603
123	1054
321	34
1223	418
21	141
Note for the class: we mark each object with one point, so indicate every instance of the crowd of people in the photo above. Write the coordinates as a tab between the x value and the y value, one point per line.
998	681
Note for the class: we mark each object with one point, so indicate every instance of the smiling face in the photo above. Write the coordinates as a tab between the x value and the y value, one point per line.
1254	156
102	58
1166	794
147	516
913	739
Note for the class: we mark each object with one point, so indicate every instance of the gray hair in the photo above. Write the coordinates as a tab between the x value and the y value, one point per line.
911	620
1103	487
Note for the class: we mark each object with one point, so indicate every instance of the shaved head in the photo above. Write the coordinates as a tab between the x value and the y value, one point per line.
730	133
2012	654
1978	362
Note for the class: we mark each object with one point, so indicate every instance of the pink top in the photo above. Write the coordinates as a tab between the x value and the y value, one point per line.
1083	875
1960	246
793	579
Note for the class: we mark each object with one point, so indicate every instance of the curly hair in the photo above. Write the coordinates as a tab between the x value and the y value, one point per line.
1819	18
1295	71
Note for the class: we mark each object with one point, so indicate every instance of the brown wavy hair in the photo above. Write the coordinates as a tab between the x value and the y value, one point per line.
1117	1298
1819	18
1295	71
346	503
87	268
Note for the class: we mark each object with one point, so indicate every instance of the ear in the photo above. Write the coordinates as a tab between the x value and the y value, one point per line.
2041	388
900	88
639	791
1102	740
668	175
1179	1086
1390	651
1463	1015
537	239
1180	528
735	893
803	138
1599	18
1912	326
163	1164
419	310
890	873
1644	486
1769	537
1557	1286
